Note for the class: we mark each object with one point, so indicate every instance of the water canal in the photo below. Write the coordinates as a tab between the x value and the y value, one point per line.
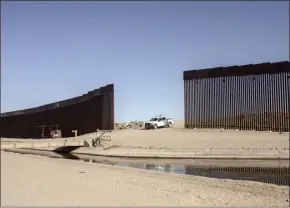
272	172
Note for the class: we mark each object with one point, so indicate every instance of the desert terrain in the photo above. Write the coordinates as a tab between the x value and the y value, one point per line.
30	180
179	138
178	142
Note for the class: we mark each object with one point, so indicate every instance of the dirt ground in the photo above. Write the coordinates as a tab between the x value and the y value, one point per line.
28	180
180	138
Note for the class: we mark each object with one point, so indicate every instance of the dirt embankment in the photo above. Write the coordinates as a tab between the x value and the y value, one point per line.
182	141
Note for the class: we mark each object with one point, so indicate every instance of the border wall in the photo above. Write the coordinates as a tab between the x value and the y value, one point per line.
249	97
87	113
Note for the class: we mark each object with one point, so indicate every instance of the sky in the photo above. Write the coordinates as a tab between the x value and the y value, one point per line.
51	51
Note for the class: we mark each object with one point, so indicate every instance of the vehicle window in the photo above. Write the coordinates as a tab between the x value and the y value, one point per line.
154	119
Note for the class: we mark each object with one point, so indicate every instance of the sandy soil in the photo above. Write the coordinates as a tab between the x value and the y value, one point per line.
187	139
28	180
180	138
178	142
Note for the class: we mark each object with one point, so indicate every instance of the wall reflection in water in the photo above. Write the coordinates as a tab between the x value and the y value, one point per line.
273	175
277	175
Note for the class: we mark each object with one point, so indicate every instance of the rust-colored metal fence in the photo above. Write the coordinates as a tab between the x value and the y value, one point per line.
86	113
249	97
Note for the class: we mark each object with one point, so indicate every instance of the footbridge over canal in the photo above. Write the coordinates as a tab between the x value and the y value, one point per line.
58	144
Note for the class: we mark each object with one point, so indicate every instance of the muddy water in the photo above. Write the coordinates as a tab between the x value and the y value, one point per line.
273	172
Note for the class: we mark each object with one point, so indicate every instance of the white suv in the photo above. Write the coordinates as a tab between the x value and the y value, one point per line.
158	121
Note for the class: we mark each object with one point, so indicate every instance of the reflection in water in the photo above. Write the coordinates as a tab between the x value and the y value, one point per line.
161	167
273	175
277	176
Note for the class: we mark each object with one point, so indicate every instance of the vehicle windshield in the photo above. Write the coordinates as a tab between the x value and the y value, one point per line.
154	119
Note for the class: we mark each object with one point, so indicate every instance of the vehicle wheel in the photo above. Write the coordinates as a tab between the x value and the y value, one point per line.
169	124
155	126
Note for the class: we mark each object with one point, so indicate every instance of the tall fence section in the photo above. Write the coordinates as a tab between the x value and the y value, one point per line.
86	114
249	97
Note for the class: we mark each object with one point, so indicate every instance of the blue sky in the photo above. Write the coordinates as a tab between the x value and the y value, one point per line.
52	51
